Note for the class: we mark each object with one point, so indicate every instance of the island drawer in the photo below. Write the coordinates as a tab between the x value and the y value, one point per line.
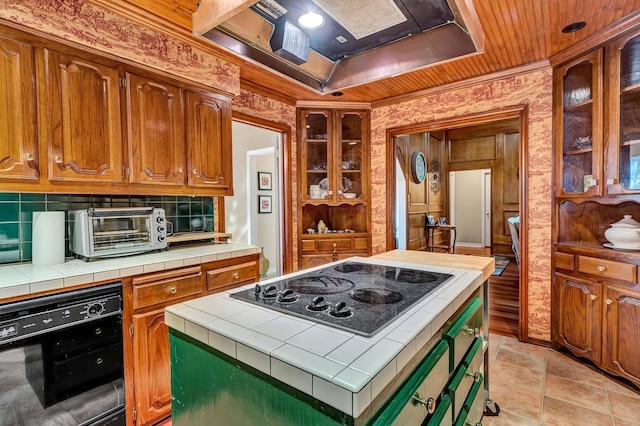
608	269
164	287
464	331
421	394
473	408
469	372
220	279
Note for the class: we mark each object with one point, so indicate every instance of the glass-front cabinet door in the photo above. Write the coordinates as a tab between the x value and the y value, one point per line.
316	156
350	171
579	127
624	124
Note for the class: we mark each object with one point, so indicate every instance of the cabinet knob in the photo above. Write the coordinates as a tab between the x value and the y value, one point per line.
476	376
236	276
194	171
608	301
57	159
475	332
593	297
180	169
602	268
28	157
173	290
429	403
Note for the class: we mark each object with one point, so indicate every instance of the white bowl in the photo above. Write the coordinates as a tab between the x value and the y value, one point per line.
349	194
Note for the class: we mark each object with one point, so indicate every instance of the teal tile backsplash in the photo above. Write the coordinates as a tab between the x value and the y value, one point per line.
188	214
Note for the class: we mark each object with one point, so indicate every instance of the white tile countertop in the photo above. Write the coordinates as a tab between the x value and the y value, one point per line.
26	278
342	369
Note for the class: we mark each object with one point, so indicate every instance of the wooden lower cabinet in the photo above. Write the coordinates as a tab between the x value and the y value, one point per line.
579	316
149	366
598	319
621	339
152	371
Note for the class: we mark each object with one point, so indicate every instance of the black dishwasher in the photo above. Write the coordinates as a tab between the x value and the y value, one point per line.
61	359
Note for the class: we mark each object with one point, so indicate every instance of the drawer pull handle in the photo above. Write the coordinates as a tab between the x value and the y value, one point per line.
98	361
602	268
593	297
476	376
236	276
173	290
475	332
608	301
429	403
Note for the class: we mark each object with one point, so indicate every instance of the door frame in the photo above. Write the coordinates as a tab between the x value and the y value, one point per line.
285	178
517	111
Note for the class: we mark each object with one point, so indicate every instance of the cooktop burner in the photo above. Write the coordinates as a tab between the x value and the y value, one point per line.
357	297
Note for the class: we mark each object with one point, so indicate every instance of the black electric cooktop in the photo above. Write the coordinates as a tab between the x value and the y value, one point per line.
357	297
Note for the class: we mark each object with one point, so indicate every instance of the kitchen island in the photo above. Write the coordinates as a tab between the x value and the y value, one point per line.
235	362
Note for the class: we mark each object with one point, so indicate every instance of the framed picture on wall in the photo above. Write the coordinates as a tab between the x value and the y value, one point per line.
264	181
264	203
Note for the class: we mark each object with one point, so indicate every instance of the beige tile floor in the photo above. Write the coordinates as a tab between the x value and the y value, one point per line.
534	385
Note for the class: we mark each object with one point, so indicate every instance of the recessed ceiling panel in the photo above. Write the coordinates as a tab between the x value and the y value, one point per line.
363	18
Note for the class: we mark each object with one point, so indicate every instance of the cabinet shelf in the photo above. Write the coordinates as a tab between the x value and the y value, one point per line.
577	152
316	141
630	142
351	141
579	106
631	89
351	171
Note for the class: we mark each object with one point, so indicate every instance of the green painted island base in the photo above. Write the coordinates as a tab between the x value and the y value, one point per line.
211	388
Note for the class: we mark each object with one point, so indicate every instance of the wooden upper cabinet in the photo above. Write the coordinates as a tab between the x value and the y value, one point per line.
155	132
208	121
82	127
18	149
623	115
579	148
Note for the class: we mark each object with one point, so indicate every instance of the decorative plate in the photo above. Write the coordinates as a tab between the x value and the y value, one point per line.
418	167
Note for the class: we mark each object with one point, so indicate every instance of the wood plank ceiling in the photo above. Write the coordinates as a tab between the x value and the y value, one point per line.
517	32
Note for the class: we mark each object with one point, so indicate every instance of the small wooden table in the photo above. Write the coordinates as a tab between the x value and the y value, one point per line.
430	230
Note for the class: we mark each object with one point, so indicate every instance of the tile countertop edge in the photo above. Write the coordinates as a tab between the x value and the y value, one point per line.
362	385
21	279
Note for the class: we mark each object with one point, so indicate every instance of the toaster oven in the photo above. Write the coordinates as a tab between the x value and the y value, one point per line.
109	232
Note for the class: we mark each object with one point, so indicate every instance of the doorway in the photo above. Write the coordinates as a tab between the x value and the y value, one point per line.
464	156
470	207
256	152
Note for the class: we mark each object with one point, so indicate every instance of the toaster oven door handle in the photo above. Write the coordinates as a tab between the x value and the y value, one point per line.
129	211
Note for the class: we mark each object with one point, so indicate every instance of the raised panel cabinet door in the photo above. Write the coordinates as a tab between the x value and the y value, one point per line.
18	149
152	367
155	132
83	120
622	336
579	304
208	121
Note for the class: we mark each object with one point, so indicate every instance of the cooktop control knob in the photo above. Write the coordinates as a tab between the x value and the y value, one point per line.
269	292
340	310
318	304
287	296
160	219
257	290
160	228
94	309
160	238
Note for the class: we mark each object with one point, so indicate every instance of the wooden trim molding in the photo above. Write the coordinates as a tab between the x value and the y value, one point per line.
500	75
520	112
285	164
333	105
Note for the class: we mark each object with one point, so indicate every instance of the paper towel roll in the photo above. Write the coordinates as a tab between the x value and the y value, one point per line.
47	238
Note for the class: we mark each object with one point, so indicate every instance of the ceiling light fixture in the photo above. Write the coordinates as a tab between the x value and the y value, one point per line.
572	28
311	20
